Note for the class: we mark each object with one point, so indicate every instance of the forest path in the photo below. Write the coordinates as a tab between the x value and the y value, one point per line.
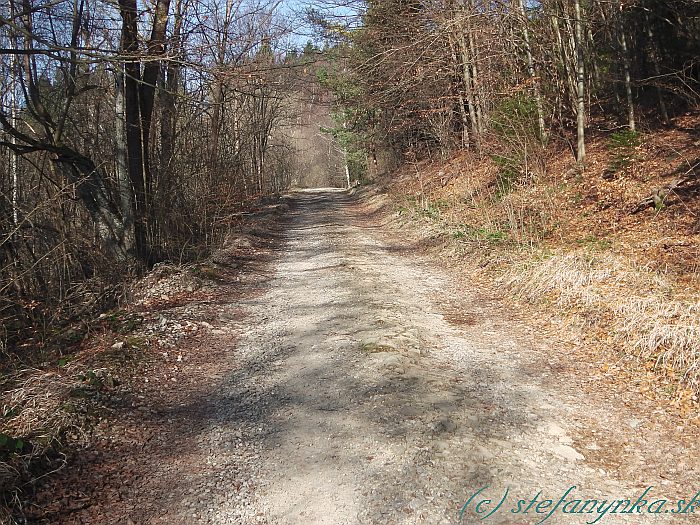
371	408
339	377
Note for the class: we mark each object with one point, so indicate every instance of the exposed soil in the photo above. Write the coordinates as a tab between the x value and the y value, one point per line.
345	379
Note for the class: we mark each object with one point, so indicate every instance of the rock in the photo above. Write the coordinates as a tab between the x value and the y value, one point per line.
118	346
567	452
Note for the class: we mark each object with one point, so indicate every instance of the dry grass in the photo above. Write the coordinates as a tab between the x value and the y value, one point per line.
666	330
44	406
638	307
45	414
41	410
567	279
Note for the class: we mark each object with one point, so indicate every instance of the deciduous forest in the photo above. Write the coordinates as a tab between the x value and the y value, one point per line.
550	150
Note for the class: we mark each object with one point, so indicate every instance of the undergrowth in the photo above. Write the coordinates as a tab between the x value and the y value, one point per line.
636	310
638	307
46	413
622	146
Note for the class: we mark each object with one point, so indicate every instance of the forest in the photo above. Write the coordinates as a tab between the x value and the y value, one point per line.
138	134
431	78
131	135
131	132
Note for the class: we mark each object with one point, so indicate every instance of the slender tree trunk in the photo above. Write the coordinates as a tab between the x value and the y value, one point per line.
566	85
133	123
13	154
169	99
168	120
346	167
218	93
478	99
14	75
628	81
532	73
580	87
468	87
124	188
657	71
462	109
593	59
147	88
569	50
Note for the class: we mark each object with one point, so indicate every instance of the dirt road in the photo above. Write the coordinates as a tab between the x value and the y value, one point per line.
365	386
372	408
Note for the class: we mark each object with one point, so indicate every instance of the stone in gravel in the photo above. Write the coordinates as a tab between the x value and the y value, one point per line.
567	452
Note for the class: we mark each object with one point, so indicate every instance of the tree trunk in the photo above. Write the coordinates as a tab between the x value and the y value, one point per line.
532	73
468	86
478	99
139	93
169	99
628	81
462	108
13	154
132	112
580	87
657	71
147	88
124	189
569	49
